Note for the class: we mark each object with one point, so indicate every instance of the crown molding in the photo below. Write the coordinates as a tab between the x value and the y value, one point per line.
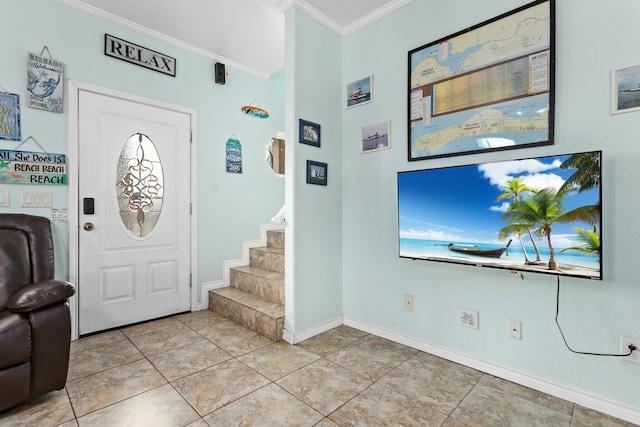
342	31
99	13
374	16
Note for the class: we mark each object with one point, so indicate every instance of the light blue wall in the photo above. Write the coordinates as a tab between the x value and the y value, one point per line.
230	207
314	233
592	38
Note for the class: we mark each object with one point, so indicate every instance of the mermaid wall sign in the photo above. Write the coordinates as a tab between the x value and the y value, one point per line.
45	81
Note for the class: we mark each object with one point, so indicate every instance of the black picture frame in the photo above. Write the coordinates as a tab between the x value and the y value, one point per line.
486	88
317	173
309	133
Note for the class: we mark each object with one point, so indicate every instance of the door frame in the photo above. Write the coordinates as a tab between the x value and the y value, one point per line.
74	88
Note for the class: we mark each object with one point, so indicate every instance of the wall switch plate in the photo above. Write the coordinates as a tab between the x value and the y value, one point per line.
5	198
37	199
408	302
468	318
515	329
624	348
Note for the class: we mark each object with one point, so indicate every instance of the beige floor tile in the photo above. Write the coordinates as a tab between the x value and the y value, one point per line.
454	423
92	341
198	423
268	406
207	326
236	339
219	385
49	409
98	359
372	356
105	388
194	316
323	385
277	360
584	417
432	381
498	403
167	338
381	406
160	407
187	360
326	423
151	326
332	340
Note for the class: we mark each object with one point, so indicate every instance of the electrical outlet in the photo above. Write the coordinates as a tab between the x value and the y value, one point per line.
624	349
468	318
515	329
408	302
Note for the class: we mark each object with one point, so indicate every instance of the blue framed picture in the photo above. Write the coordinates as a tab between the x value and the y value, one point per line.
10	116
316	173
309	133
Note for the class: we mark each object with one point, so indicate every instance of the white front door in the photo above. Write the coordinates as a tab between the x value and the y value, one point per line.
134	208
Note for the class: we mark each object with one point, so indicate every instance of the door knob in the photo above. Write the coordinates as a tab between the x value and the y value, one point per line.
88	226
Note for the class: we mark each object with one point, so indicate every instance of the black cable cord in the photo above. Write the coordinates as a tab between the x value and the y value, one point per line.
565	340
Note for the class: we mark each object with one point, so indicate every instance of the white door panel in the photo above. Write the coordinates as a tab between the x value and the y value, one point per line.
133	272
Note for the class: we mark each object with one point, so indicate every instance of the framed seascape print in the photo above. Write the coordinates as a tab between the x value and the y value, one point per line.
359	92
625	89
486	88
309	133
376	137
316	173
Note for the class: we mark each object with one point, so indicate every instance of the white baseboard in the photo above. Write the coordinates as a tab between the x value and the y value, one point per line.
584	398
292	338
228	265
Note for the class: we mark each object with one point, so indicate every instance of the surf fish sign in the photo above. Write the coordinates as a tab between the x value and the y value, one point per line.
138	55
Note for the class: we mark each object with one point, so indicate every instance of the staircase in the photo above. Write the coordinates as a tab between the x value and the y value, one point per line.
255	297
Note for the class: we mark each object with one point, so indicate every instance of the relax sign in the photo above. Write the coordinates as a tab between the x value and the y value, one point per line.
138	55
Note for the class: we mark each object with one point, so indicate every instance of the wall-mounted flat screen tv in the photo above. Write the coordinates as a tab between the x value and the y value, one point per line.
539	214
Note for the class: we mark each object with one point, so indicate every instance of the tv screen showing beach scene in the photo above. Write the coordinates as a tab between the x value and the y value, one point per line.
539	214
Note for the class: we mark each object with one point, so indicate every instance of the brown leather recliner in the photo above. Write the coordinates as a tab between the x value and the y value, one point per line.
35	324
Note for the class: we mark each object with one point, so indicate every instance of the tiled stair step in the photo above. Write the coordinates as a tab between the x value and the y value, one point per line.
268	258
252	311
265	283
275	239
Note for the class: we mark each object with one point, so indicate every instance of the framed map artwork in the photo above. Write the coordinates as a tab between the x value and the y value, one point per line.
486	88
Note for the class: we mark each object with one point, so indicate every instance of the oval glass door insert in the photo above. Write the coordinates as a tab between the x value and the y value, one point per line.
140	185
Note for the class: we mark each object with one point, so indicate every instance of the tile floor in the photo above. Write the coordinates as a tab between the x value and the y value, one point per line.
200	369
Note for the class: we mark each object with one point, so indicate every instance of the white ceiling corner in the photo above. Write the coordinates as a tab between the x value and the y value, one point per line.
244	34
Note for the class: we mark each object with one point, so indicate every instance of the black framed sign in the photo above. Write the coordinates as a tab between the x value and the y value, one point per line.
139	55
489	87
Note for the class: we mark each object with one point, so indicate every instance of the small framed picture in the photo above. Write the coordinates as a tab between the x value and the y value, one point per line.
359	92
376	137
625	89
309	133
316	173
10	116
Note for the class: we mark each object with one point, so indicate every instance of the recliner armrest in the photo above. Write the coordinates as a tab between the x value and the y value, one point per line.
41	294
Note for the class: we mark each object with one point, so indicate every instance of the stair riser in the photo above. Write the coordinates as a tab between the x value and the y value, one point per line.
271	290
275	239
256	321
267	260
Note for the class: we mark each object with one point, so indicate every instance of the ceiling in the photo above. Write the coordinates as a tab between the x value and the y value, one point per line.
244	34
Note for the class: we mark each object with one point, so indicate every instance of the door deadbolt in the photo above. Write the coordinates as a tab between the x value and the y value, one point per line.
88	226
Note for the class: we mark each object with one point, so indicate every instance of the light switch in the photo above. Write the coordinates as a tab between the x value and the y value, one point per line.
37	199
5	198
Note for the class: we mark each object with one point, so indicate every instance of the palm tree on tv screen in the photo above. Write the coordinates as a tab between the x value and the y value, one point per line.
543	209
590	240
513	190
